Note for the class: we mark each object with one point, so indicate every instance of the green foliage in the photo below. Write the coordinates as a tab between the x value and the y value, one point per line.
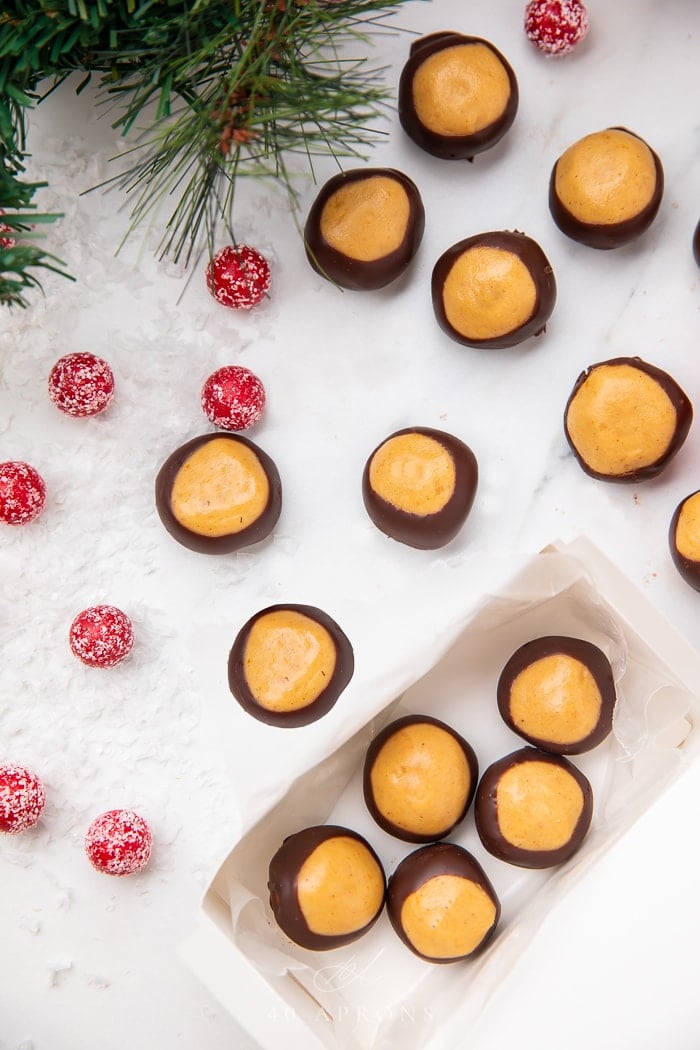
224	88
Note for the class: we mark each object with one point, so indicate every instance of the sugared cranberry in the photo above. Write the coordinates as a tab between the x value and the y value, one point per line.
81	384
101	636
556	26
233	398
119	842
6	241
22	798
22	493
238	276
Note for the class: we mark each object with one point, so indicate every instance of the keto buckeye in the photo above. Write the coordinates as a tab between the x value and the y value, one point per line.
558	693
419	485
625	419
327	887
493	290
458	95
684	539
289	664
441	904
218	493
364	227
419	778
533	809
605	190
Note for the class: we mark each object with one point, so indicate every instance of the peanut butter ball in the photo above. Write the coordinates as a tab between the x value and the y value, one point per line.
419	778
441	904
218	493
419	485
625	420
364	227
606	189
493	290
458	95
684	539
558	693
533	809
327	887
289	664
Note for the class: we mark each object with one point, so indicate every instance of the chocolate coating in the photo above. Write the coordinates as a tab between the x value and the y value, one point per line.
426	531
607	235
451	147
486	812
696	243
342	673
430	862
538	266
256	531
681	404
283	886
597	663
373	751
688	567
357	274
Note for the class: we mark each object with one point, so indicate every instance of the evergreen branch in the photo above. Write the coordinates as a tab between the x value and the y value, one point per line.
224	88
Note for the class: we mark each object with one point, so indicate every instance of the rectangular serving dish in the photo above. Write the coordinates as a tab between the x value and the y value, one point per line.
375	991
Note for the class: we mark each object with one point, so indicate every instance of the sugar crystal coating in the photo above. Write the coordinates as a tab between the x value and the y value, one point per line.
119	842
101	636
22	493
556	26
22	798
233	398
238	276
81	384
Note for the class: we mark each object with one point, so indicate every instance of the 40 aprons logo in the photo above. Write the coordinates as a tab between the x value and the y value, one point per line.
339	976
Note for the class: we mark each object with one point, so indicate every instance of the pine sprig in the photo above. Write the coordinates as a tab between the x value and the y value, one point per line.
211	89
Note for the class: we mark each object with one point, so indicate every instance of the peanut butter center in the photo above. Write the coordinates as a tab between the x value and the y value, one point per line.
538	805
488	293
367	218
556	699
460	90
606	178
340	887
413	472
289	660
420	779
220	489
448	917
620	420
688	529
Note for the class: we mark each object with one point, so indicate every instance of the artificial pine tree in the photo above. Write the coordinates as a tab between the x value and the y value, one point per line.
226	88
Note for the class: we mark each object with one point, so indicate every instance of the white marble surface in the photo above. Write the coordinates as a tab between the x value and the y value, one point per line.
90	961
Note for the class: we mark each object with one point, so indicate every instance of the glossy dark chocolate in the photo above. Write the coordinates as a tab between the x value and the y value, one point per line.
608	235
696	243
688	568
373	751
430	862
256	531
282	883
539	267
486	812
357	274
593	658
451	147
343	672
679	400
